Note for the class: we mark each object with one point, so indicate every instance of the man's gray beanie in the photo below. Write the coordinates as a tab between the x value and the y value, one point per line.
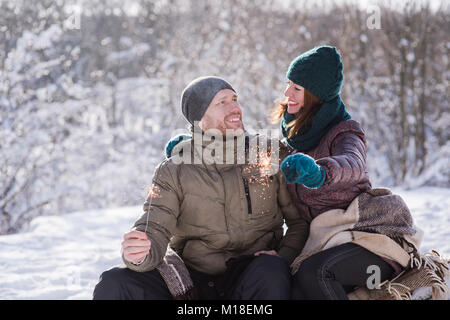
198	94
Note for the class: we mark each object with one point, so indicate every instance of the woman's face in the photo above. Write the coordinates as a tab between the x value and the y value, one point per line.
296	95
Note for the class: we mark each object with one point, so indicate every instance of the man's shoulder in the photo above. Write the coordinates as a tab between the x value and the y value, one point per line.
174	164
274	145
166	170
263	140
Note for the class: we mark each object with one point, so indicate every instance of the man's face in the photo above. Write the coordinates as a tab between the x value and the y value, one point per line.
223	113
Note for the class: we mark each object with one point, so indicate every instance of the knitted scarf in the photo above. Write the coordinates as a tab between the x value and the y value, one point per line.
329	115
177	277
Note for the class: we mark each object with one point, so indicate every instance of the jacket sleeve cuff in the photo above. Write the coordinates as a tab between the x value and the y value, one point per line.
288	254
143	266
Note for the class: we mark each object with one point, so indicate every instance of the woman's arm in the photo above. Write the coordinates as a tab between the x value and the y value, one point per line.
347	162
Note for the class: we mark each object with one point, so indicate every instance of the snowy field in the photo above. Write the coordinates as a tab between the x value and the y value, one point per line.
61	257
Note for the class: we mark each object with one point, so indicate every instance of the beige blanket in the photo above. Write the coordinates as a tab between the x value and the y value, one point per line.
376	220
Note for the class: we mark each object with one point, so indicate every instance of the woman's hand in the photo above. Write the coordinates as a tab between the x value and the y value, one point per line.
270	253
302	169
173	142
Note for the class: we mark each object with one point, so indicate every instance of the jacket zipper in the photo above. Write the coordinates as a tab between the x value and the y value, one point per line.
247	195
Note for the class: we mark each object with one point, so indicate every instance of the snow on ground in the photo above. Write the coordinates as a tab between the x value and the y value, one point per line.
430	208
61	257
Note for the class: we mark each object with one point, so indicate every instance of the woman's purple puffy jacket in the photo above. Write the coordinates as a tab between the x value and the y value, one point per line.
342	153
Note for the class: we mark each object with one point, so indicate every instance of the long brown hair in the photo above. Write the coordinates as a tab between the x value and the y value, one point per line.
302	117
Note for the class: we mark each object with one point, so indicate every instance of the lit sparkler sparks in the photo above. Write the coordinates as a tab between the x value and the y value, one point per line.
155	192
265	165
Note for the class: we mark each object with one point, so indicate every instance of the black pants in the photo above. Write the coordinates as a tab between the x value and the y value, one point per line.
262	278
332	273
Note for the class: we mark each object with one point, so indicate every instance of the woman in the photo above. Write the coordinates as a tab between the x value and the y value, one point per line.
326	169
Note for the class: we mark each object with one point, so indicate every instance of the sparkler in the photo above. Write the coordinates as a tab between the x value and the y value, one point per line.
261	173
154	193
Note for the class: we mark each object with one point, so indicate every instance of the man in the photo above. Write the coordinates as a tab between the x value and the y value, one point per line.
222	213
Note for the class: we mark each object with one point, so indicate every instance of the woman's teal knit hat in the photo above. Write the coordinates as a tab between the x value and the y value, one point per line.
319	71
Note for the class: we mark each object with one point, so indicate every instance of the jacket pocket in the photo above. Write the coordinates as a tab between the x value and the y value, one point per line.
247	195
262	195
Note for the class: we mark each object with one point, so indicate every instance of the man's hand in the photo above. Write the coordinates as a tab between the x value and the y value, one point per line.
135	246
270	253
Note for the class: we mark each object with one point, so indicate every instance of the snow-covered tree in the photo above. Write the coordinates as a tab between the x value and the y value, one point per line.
90	90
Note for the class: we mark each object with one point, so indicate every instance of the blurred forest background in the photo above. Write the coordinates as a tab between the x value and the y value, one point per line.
90	90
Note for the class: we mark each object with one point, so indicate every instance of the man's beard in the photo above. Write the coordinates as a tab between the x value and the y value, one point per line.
224	129
229	132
